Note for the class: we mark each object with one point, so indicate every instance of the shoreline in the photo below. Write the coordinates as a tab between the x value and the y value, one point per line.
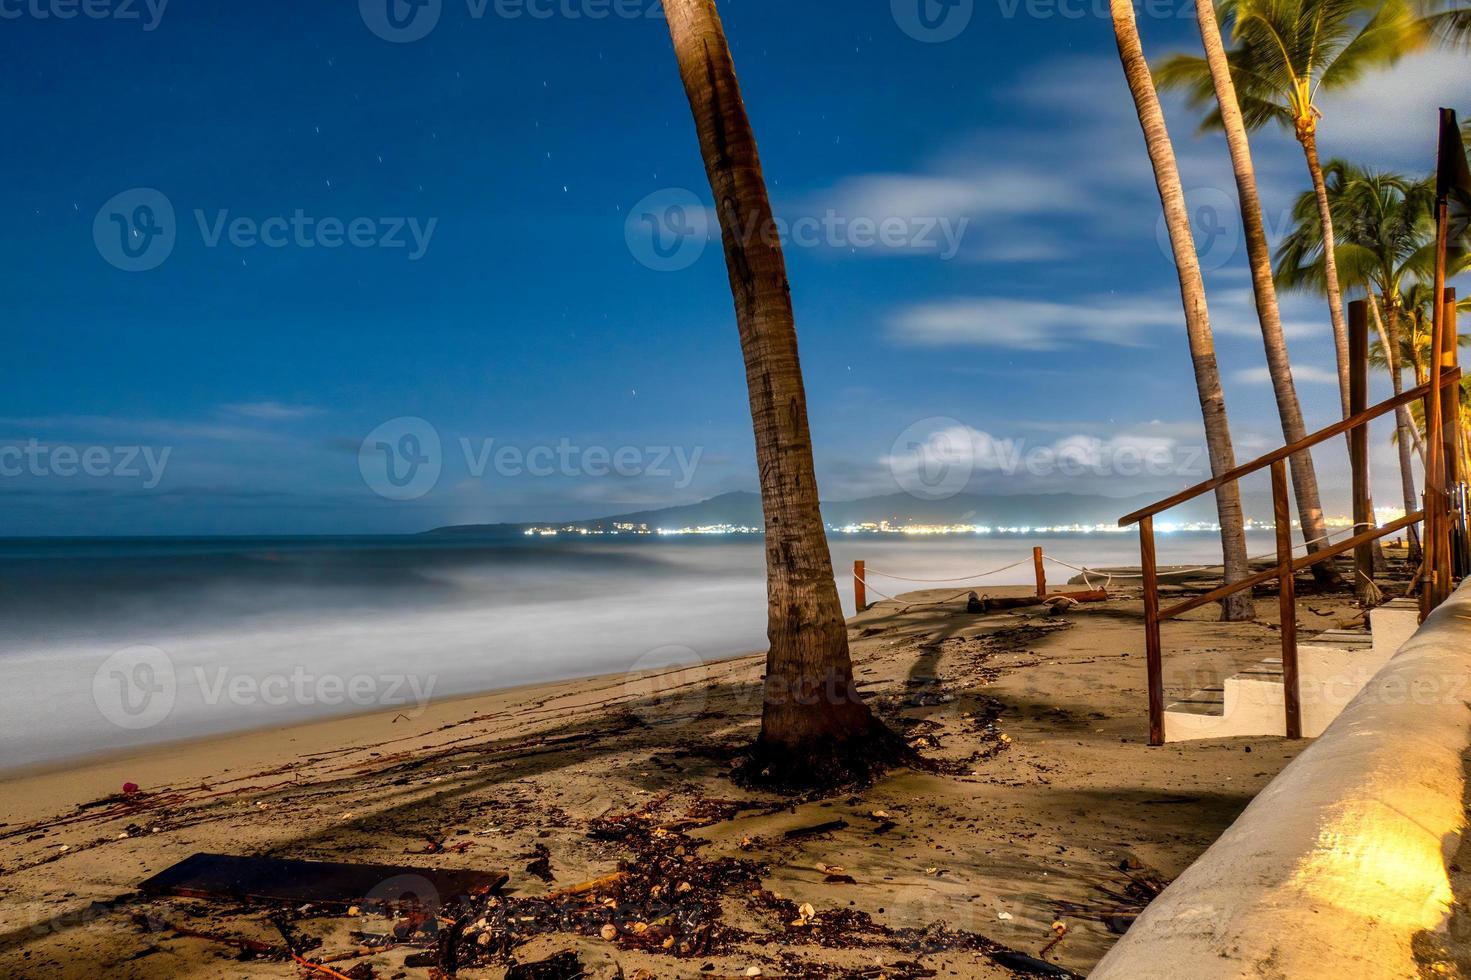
186	761
412	713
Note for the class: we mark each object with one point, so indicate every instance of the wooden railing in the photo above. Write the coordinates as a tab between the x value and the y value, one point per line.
1287	565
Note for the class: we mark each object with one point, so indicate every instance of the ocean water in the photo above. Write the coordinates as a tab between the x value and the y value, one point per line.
111	643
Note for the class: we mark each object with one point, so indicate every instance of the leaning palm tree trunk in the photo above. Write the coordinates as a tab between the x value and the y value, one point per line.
1389	339
1192	294
1304	476
1307	136
815	730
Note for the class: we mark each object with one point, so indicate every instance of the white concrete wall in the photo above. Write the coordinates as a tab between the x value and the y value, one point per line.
1341	860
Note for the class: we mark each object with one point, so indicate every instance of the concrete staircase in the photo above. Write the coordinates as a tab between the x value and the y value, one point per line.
1332	667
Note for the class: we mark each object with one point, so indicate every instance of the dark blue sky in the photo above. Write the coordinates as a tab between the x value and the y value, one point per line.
250	374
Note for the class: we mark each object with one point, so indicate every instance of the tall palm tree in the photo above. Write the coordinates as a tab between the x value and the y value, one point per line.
1304	475
1238	607
1284	54
815	730
1386	228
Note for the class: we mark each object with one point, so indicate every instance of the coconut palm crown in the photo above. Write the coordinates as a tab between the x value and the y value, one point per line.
1285	53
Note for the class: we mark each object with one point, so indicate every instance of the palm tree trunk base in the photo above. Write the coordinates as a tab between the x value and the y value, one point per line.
1328	578
1381	564
825	764
1238	608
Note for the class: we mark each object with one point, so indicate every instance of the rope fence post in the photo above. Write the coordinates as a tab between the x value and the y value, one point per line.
860	595
1041	573
1153	653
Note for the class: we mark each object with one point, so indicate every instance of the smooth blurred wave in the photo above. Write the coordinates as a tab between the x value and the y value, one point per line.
263	631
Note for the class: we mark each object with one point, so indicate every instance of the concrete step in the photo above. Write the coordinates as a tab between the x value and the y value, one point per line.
1333	666
1392	624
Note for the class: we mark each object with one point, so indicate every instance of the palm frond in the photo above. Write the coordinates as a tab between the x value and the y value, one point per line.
1283	52
1382	229
1394	31
1451	27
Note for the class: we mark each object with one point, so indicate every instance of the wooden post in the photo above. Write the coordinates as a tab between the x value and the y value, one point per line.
1358	445
1154	662
1041	571
860	593
1287	600
1450	417
1436	499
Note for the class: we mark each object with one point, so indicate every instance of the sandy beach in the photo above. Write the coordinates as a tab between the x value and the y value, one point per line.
1044	822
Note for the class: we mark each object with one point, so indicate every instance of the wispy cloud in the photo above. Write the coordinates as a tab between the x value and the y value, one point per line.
107	426
1301	373
980	192
1034	325
1390	115
955	455
270	411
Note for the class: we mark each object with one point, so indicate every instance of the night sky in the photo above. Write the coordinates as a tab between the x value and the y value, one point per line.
455	229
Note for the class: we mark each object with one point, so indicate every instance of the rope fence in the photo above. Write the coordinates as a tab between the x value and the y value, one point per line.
862	585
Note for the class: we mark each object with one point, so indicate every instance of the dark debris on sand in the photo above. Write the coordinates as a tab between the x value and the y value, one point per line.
663	899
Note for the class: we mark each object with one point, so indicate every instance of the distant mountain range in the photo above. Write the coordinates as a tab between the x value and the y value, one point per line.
743	509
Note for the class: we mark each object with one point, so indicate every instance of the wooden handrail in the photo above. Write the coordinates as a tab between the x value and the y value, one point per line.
1298	565
1448	378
